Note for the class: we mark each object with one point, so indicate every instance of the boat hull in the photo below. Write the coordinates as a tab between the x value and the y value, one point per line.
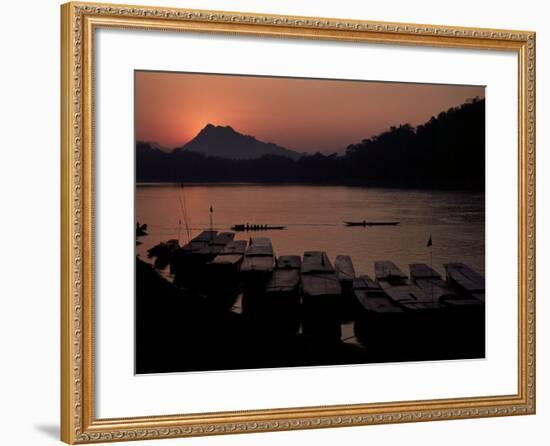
371	223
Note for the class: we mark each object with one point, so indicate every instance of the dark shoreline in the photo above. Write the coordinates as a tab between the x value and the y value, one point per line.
311	183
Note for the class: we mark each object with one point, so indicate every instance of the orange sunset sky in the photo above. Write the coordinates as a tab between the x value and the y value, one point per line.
306	115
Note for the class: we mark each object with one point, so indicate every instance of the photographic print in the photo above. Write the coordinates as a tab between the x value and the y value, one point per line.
309	213
291	222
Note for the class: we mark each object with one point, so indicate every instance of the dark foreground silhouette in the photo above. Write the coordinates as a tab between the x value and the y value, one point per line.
185	332
179	330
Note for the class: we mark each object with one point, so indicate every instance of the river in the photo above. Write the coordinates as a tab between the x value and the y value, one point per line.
314	218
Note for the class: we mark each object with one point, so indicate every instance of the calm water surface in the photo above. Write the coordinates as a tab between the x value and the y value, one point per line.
314	217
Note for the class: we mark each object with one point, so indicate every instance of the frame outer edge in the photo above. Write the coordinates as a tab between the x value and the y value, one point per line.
67	433
527	223
77	398
532	213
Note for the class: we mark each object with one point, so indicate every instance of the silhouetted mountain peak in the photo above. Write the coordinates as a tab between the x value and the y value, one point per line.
211	129
225	142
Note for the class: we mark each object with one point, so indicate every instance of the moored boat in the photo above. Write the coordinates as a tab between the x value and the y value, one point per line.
399	288
187	261
321	294
257	266
430	281
223	282
277	311
466	280
386	270
345	272
231	253
423	322
467	306
216	245
258	257
379	320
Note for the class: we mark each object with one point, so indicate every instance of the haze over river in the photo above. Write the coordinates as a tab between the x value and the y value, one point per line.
315	215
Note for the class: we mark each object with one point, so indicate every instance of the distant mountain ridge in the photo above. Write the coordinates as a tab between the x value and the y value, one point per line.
446	152
225	142
157	146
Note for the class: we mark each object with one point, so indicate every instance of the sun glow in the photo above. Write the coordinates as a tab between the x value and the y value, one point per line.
301	114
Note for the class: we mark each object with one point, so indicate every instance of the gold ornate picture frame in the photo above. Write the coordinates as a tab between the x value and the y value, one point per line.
79	423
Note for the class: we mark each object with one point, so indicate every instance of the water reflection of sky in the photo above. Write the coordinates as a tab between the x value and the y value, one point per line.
314	217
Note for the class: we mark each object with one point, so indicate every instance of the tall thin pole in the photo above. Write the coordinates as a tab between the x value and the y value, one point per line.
432	267
183	209
211	218
186	219
429	245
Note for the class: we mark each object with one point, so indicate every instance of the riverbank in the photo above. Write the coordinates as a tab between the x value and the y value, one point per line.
235	305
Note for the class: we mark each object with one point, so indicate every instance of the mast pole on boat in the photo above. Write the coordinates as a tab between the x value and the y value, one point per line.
429	245
211	218
183	210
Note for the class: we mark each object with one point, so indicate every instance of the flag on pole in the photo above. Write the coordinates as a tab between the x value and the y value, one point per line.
429	242
211	210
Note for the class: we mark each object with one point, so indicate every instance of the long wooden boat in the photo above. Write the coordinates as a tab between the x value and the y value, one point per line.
205	236
256	227
222	279
430	281
188	260
386	270
373	298
345	272
344	269
278	311
286	277
321	294
230	258
379	321
232	248
423	326
256	269
201	252
466	280
462	319
197	243
216	245
371	223
259	256
400	289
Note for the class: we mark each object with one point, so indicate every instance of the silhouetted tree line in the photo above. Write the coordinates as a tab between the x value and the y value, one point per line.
448	151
